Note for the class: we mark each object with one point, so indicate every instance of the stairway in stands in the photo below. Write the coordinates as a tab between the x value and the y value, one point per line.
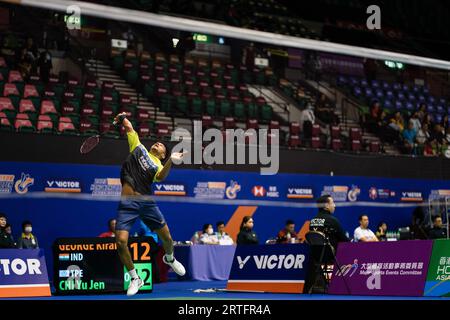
104	72
349	123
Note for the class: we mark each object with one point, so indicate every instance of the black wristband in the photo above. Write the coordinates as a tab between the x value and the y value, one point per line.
121	118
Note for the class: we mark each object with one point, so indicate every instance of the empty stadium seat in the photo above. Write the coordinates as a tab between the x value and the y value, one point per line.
356	145
229	123
65	126
294	128
294	141
315	130
48	107
30	91
5	123
316	143
336	144
26	106
45	124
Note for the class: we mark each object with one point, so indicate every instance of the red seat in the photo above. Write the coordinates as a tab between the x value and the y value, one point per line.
274	125
53	78
10	89
68	108
107	127
144	130
44	124
88	111
48	107
316	143
207	122
315	130
356	145
355	134
87	126
260	101
252	124
26	105
162	130
88	96
6	104
15	76
108	85
294	128
229	123
336	144
73	81
143	115
335	132
294	141
30	91
68	95
4	122
20	124
22	116
107	112
374	146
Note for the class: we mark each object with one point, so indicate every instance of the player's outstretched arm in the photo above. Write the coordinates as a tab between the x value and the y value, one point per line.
174	157
121	119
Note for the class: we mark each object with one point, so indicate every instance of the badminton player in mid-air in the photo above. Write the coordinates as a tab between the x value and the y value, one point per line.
140	169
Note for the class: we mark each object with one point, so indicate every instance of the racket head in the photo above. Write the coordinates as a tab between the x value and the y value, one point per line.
89	144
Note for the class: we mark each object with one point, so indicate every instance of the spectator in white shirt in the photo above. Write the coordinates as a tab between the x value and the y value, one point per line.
222	236
363	233
208	236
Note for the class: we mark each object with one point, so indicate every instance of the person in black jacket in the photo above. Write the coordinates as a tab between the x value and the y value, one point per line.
246	234
6	240
326	223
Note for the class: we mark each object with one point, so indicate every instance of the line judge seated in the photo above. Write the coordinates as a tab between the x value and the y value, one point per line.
363	233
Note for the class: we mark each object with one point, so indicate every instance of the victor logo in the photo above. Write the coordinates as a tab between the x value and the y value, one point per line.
242	262
281	261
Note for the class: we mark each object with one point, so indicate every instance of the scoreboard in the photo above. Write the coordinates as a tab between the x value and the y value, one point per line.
92	265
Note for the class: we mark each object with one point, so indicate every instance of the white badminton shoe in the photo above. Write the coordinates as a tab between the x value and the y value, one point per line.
135	285
176	266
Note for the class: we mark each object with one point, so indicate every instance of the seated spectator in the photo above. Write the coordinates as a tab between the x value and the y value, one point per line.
325	112
438	134
409	138
415	121
112	229
27	240
8	230
363	233
438	231
222	236
397	123
431	149
288	234
6	239
421	113
373	117
447	135
381	231
208	236
246	234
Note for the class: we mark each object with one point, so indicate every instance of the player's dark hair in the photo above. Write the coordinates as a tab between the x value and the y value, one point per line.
2	215
289	222
322	201
26	223
219	223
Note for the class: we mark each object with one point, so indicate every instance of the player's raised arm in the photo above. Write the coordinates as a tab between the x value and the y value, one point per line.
121	119
133	138
164	172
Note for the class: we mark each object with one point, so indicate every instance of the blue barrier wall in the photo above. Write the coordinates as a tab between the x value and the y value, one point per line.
53	218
